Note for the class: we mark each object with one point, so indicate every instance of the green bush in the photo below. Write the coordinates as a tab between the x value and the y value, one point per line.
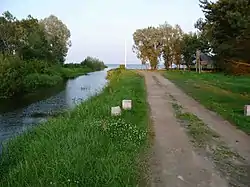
122	66
93	63
36	80
10	76
53	70
69	73
35	66
114	73
18	76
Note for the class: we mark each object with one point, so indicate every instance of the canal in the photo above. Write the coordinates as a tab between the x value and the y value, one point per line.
19	114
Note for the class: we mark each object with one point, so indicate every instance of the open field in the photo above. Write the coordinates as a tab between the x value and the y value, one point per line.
223	94
84	147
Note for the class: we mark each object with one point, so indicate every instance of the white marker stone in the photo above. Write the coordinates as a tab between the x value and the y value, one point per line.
127	104
116	111
247	110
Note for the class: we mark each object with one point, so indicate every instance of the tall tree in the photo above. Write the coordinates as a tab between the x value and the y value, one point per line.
166	36
8	34
176	44
171	44
24	38
58	36
32	40
147	45
227	26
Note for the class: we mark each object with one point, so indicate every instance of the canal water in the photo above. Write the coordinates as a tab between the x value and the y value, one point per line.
19	114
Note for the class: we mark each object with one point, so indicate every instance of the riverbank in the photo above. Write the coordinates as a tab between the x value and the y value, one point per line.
54	76
19	77
84	147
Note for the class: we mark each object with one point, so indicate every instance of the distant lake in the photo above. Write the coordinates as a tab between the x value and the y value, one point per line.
132	66
139	66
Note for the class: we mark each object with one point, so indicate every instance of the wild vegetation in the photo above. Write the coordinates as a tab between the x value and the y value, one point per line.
32	54
87	65
70	151
224	34
227	28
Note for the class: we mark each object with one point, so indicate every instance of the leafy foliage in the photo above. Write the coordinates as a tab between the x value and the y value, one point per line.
57	35
10	76
190	43
167	33
225	33
167	42
35	81
30	38
93	63
227	28
32	54
122	67
148	45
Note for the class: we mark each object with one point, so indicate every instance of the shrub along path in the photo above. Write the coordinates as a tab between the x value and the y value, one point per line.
192	146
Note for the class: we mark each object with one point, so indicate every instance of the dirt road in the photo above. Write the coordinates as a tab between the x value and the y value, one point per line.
176	161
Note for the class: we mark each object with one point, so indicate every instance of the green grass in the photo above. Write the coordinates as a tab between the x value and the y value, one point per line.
226	95
84	147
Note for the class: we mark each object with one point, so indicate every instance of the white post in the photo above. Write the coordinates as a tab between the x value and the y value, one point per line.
247	110
125	55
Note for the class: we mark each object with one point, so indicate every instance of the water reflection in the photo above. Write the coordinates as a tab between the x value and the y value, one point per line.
83	87
18	115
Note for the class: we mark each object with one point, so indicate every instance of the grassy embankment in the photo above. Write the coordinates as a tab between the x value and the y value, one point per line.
223	94
85	147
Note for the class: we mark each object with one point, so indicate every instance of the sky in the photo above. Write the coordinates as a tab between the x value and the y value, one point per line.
99	28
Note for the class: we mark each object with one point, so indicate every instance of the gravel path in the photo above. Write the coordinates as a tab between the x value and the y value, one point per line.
173	162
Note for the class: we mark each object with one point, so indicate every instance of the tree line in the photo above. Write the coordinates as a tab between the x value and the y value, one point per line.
32	54
224	34
30	38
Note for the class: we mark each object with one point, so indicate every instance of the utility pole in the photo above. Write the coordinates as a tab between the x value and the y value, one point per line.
198	61
125	55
